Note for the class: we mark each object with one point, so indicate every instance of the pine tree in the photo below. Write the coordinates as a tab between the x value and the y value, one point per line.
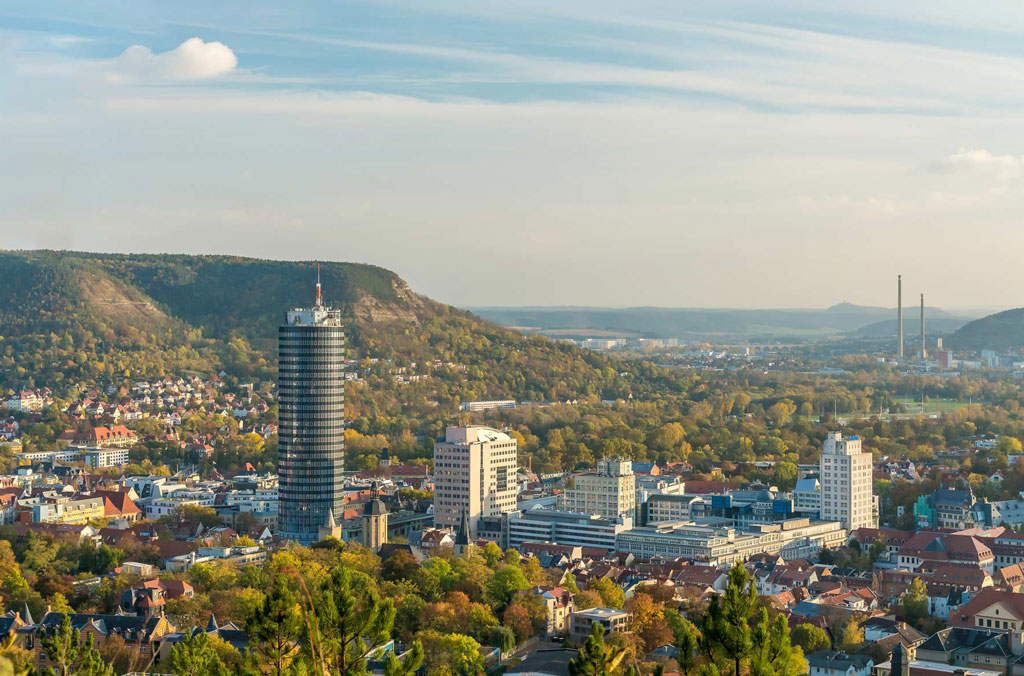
354	621
774	654
70	654
275	628
595	659
196	656
408	667
726	626
686	644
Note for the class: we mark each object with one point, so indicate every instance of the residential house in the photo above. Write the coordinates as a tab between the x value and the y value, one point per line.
559	604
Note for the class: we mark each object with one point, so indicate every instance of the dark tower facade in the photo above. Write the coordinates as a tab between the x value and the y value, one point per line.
311	424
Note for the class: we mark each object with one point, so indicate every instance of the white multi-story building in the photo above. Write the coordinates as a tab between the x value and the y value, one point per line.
807	496
610	492
106	457
722	546
26	402
846	493
475	474
565	528
476	406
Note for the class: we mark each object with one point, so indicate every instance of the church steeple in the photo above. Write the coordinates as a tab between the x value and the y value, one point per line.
462	538
375	520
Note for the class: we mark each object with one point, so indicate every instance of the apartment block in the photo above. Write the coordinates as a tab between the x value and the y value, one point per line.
846	491
475	473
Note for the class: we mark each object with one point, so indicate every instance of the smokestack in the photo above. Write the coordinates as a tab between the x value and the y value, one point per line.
899	317
924	350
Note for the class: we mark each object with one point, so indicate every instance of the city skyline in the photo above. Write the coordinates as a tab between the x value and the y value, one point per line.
712	156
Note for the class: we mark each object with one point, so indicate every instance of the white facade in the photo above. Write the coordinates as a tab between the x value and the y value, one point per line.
475	473
846	492
609	493
720	546
565	528
476	406
165	506
807	496
106	457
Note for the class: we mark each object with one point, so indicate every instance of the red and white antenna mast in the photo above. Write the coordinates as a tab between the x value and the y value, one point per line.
319	297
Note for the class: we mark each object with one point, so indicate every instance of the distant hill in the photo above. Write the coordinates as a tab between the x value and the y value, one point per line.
935	326
83	318
695	323
1000	331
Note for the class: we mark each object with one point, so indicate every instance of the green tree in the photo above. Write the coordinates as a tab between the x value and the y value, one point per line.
196	656
726	624
505	584
70	655
774	653
504	639
352	622
915	601
456	653
612	595
810	637
686	644
594	659
407	667
275	627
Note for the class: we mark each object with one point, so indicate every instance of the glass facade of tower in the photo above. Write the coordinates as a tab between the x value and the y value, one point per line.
311	433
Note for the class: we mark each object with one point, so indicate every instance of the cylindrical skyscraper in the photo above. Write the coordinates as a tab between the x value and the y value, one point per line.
311	425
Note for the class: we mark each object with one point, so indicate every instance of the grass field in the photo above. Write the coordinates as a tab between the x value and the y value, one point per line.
932	405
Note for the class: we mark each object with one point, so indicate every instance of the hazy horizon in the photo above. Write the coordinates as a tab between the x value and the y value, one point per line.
724	154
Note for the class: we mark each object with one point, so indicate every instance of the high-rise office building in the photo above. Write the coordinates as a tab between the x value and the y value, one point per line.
311	432
474	474
846	492
610	492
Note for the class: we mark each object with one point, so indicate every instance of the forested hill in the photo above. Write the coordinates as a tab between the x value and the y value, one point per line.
69	318
1000	331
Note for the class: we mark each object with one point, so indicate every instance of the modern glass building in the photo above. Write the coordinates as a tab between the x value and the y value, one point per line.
311	433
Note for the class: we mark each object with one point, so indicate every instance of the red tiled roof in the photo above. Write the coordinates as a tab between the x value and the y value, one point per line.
984	599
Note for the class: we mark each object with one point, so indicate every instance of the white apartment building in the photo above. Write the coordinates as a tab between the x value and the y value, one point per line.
26	402
846	490
106	457
475	473
609	493
164	506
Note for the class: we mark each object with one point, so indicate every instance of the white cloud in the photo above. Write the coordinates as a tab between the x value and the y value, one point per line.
191	60
1002	167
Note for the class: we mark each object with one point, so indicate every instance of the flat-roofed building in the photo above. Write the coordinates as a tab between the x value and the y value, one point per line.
724	545
475	474
565	528
609	492
580	623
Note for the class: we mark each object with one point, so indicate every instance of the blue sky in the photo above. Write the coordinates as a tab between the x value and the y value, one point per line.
742	154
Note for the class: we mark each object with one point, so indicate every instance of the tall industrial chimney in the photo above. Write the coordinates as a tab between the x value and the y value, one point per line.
924	350
899	317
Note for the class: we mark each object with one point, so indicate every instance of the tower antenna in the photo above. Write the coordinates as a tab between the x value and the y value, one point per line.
319	298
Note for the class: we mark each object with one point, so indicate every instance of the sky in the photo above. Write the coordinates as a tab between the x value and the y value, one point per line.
581	152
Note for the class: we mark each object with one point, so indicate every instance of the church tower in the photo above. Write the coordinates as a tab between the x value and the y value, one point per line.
375	521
